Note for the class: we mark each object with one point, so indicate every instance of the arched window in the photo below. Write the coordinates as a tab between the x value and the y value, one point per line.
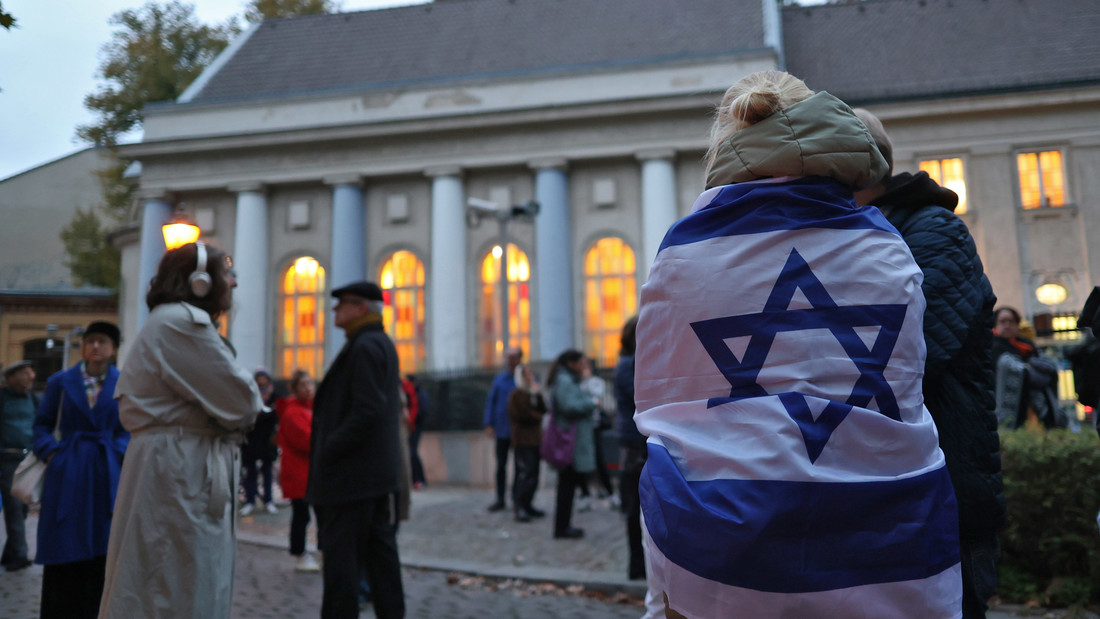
490	344
302	305
402	279
610	297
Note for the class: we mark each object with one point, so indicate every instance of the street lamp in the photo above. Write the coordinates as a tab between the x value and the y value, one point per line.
179	231
478	209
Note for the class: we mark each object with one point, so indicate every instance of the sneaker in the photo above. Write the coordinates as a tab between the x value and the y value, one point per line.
584	504
248	509
306	563
271	509
570	533
497	507
616	502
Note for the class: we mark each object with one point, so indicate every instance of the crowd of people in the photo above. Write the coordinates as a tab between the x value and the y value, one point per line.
818	352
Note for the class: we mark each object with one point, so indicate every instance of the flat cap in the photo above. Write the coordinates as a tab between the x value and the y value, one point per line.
364	290
18	365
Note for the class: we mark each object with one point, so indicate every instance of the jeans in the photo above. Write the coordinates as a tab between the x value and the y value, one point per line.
527	476
979	574
15	514
250	481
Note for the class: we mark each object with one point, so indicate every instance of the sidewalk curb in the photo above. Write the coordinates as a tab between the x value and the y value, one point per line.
605	582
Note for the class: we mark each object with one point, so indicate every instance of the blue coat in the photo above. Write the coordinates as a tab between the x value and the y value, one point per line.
496	405
78	493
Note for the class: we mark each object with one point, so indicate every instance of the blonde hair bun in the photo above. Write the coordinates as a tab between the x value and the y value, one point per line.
752	99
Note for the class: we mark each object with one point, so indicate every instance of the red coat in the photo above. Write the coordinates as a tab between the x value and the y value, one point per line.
295	423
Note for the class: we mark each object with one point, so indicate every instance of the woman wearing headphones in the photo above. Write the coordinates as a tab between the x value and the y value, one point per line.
186	404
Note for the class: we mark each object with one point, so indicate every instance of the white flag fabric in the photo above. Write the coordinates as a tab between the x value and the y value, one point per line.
793	470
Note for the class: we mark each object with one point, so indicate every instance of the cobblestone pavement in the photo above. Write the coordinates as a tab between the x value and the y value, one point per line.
460	561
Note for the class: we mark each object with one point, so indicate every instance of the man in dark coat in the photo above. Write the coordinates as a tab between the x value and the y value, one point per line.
356	460
958	373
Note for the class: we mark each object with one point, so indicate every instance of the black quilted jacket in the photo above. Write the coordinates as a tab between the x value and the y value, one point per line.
958	324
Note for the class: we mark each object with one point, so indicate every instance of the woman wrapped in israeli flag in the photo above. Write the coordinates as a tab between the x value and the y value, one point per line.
793	469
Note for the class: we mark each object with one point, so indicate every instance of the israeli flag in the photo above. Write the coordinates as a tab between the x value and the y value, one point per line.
793	469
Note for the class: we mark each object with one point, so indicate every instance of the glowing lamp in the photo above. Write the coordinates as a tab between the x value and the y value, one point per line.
179	232
1051	294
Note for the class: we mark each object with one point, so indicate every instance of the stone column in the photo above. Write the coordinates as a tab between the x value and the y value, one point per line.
157	212
447	282
553	261
251	261
349	250
658	203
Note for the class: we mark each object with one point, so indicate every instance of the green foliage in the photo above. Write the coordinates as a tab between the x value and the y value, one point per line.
7	21
259	10
91	258
1050	546
154	55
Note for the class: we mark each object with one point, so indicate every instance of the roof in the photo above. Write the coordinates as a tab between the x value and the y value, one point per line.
883	50
473	40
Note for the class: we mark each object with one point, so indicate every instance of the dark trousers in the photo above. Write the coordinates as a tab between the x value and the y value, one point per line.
414	458
568	482
633	460
979	574
15	515
354	534
299	520
251	471
527	476
72	590
601	463
503	445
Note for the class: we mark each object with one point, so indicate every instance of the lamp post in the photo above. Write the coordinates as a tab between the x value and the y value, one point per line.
476	210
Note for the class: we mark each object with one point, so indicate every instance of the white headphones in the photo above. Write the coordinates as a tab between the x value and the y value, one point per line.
200	280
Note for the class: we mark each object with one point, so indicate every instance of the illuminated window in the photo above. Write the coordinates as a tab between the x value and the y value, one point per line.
610	297
402	279
302	318
948	173
1042	179
490	345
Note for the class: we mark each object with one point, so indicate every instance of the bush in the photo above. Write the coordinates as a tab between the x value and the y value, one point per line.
1050	545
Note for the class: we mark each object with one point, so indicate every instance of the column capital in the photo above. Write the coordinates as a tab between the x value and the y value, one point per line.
146	194
253	186
443	171
655	153
549	163
343	179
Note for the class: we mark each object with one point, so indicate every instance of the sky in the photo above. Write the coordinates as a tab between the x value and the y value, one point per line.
48	64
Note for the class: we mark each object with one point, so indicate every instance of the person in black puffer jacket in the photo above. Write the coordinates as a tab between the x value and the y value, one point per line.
958	375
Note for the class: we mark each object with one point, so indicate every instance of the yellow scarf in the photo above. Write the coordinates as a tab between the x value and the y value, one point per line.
357	324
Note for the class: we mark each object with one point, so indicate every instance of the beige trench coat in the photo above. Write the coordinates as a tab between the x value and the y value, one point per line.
186	404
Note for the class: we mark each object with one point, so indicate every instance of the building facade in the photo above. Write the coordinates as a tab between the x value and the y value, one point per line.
39	302
319	150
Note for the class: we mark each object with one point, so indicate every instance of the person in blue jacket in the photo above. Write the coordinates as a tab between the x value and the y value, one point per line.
81	480
497	424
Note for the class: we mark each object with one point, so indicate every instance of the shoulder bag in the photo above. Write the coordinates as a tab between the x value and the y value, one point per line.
26	483
557	443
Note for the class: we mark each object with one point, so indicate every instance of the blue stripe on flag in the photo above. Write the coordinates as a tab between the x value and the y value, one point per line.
794	537
808	202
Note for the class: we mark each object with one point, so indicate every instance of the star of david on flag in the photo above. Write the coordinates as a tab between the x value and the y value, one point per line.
867	334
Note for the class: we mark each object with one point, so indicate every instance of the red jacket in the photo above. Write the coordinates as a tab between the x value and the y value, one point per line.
295	423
